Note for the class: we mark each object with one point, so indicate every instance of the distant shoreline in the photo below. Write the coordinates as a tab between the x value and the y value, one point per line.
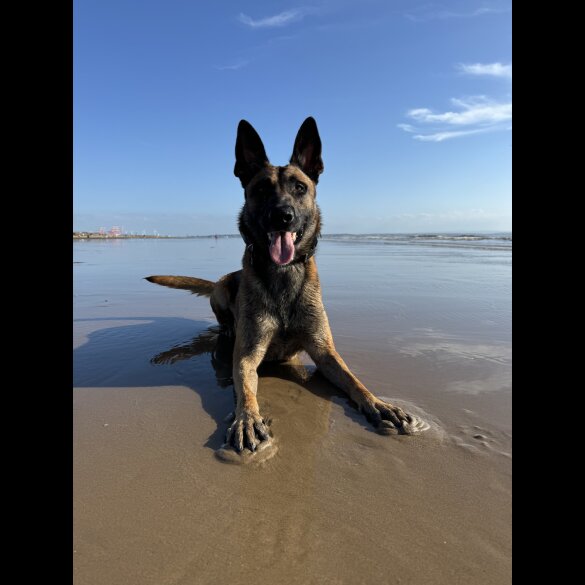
98	236
506	236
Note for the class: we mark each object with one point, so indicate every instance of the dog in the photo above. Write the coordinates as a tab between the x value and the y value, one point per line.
273	305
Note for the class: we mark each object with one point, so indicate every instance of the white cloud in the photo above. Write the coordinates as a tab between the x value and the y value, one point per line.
440	136
473	115
281	19
406	127
428	12
475	110
490	69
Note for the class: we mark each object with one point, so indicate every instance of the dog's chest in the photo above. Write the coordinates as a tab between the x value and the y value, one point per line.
284	298
287	341
286	309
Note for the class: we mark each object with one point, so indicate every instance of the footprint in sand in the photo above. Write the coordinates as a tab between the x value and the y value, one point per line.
478	439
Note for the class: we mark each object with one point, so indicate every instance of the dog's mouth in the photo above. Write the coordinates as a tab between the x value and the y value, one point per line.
282	246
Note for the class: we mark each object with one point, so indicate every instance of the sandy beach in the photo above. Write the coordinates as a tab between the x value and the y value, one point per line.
425	325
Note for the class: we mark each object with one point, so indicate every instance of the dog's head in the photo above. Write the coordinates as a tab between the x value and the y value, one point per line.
280	216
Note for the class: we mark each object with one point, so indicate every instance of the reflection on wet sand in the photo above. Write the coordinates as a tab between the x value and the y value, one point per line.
219	346
274	510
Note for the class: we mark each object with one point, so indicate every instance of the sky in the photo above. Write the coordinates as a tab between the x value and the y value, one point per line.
412	100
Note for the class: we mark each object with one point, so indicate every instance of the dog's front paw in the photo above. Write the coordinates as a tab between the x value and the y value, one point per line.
390	419
247	431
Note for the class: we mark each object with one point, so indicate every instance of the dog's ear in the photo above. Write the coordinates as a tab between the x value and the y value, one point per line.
307	150
250	153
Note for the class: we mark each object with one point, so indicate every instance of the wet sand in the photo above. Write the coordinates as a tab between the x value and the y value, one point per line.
337	503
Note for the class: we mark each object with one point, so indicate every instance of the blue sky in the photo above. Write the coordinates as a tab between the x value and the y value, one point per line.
412	100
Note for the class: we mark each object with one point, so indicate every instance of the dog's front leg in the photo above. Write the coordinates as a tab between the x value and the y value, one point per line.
248	428
385	416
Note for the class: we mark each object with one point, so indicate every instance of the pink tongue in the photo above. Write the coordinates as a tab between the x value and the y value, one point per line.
282	248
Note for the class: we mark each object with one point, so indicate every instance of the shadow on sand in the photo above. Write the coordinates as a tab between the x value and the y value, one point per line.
162	351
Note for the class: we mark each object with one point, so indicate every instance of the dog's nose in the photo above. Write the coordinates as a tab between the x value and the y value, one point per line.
284	214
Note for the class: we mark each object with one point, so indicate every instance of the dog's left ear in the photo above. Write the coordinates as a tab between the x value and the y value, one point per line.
307	150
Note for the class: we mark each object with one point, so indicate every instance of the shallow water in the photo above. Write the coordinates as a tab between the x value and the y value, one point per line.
426	326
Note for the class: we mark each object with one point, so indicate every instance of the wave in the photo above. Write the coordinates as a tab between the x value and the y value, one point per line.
489	241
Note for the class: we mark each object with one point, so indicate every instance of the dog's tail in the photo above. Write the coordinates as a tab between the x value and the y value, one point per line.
197	286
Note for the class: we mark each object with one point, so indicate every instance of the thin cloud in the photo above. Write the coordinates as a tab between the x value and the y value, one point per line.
473	115
441	136
407	127
233	67
488	69
473	111
425	13
278	20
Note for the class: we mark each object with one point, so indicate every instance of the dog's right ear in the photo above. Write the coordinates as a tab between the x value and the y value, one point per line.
307	150
250	153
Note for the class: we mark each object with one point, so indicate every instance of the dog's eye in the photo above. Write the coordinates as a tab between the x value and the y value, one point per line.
300	188
261	189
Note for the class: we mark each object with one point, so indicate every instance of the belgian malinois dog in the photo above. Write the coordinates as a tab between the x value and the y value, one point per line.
273	305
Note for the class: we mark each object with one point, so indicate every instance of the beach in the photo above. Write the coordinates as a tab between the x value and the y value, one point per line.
424	322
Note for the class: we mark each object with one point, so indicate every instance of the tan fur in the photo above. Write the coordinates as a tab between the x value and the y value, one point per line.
276	311
197	286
